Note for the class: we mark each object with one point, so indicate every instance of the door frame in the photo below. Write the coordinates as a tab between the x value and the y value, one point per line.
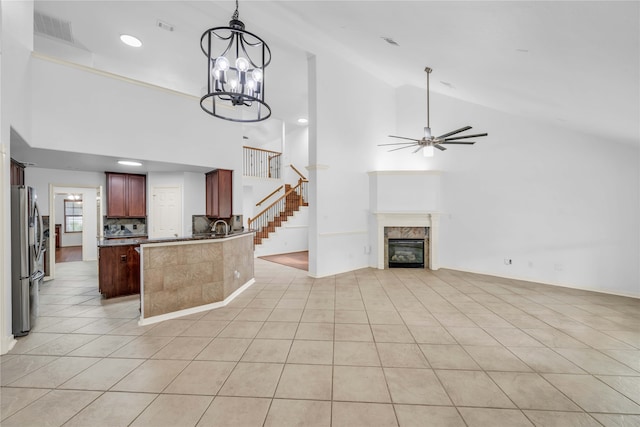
60	189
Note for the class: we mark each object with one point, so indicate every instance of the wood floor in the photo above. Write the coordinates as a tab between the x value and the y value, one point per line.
298	260
68	254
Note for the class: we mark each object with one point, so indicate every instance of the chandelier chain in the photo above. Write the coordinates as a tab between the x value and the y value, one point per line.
236	14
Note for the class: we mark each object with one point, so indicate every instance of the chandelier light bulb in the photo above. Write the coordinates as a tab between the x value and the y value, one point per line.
242	64
257	74
234	84
222	63
251	84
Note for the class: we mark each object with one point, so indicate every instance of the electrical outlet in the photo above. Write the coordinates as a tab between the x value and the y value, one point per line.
558	267
507	261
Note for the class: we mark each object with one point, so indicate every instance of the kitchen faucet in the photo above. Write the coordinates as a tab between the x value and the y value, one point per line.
226	227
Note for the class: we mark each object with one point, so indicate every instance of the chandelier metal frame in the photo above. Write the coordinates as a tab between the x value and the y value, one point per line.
235	77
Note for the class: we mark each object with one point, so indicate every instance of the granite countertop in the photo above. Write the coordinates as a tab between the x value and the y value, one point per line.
139	241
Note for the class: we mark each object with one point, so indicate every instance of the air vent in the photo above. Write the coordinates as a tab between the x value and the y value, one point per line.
52	27
165	25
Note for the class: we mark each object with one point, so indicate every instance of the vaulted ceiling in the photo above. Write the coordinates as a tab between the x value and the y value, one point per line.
575	64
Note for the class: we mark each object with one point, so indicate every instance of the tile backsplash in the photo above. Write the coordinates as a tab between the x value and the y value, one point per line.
116	227
202	224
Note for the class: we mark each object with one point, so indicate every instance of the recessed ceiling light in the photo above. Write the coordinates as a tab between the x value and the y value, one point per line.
130	40
129	163
303	121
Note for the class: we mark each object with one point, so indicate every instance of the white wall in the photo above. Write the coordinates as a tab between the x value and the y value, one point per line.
564	206
343	133
41	178
106	115
16	38
194	196
296	153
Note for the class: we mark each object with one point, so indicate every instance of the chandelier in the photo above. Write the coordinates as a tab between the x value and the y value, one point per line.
236	60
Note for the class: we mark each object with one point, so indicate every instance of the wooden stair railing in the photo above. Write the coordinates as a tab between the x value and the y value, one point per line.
269	196
261	163
298	172
279	211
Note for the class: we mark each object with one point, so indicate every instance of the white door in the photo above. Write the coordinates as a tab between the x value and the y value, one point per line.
166	212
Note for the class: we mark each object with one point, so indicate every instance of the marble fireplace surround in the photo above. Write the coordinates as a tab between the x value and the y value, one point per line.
408	220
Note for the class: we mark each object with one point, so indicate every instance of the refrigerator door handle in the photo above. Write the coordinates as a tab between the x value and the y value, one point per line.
40	245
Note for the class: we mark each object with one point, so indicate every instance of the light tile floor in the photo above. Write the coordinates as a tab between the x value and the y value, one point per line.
368	348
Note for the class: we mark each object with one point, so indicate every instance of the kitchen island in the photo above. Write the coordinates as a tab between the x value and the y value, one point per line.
186	275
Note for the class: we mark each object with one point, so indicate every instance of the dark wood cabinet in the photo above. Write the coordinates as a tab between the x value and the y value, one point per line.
126	195
17	173
119	270
219	193
137	199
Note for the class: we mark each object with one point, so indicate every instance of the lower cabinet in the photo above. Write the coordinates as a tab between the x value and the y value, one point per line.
119	270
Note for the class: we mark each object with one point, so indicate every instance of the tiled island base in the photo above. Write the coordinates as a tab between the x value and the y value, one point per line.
180	278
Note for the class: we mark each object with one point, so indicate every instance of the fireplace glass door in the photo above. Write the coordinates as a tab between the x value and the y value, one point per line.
406	253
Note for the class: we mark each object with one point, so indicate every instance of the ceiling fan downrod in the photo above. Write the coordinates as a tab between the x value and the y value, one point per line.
427	130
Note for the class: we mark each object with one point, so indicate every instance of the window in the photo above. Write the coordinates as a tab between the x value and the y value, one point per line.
72	216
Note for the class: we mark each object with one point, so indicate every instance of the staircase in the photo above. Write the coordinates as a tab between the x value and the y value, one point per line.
272	217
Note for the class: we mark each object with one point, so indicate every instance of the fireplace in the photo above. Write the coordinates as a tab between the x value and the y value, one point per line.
406	253
405	204
422	227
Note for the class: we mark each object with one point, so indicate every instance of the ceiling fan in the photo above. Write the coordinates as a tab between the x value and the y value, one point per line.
428	141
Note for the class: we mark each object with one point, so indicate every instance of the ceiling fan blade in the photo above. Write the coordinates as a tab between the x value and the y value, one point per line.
403	137
402	148
439	147
466	136
454	132
418	149
397	143
459	142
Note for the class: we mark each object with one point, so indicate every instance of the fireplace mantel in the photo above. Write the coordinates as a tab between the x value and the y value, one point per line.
408	219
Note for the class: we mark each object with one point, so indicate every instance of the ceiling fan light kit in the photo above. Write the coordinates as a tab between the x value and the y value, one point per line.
428	142
236	62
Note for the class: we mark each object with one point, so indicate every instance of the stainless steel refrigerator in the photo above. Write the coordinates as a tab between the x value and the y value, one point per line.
27	255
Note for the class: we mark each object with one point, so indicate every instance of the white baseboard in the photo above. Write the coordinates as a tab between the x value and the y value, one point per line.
8	342
561	285
193	310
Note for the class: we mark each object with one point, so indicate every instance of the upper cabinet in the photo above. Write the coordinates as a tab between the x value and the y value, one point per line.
219	187
126	195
